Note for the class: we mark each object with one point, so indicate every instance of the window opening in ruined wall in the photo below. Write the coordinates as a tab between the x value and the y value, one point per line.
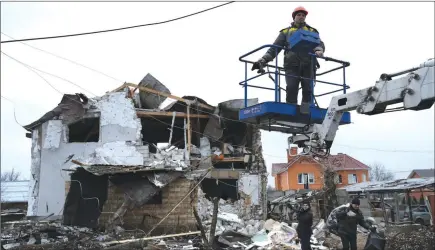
84	130
157	133
223	188
156	199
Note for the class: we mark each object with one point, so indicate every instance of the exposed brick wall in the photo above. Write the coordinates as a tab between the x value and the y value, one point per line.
181	219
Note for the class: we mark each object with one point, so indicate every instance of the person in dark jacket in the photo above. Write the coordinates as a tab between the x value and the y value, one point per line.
305	222
348	219
295	64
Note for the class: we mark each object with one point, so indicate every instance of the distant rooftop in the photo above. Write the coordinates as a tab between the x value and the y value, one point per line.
14	191
423	172
339	162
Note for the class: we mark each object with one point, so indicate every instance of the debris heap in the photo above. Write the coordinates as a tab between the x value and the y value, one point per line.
422	238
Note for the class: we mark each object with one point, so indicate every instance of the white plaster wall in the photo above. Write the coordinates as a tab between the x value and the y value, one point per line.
120	130
249	184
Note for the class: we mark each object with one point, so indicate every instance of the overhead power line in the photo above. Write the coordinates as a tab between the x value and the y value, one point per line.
35	71
66	59
15	115
117	29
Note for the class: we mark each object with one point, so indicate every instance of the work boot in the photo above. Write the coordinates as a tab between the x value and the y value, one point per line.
305	108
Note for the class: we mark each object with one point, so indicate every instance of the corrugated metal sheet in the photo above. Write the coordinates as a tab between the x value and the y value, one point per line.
396	185
14	191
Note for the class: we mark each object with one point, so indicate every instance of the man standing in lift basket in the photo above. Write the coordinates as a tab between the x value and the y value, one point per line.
295	64
348	219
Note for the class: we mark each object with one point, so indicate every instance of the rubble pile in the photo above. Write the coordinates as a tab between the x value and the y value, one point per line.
232	216
422	238
47	235
51	235
238	227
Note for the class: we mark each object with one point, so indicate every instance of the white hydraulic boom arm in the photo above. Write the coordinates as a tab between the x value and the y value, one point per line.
416	90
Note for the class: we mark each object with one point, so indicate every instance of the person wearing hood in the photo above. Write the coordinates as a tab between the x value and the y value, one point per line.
348	220
295	64
305	222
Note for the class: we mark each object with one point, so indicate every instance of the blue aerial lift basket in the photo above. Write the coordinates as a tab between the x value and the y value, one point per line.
284	117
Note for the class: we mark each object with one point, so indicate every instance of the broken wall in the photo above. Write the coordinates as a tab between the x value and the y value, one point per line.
145	217
35	170
249	185
119	133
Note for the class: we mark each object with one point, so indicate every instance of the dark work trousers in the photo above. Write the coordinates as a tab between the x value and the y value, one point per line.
292	88
305	241
348	239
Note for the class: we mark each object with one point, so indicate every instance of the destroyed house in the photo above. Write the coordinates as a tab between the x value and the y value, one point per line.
124	158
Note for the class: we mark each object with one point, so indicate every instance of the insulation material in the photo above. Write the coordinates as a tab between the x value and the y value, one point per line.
53	134
117	109
115	153
205	149
174	158
249	184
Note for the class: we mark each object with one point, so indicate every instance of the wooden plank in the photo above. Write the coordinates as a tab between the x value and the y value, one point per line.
189	131
79	163
168	114
105	244
166	95
118	88
231	159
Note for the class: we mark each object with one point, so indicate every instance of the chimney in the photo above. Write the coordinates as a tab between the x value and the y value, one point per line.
292	152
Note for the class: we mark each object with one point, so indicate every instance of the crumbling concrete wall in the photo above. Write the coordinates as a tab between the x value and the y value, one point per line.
120	132
35	169
145	217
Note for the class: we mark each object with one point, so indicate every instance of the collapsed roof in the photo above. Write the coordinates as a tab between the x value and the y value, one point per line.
216	128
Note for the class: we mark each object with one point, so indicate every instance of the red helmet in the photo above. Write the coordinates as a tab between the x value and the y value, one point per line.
299	9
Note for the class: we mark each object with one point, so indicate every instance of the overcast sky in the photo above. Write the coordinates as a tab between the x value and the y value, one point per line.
199	56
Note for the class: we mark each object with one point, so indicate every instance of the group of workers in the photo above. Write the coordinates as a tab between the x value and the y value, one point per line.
347	219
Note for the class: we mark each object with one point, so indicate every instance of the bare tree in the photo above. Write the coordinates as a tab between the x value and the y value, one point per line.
330	184
378	172
10	175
